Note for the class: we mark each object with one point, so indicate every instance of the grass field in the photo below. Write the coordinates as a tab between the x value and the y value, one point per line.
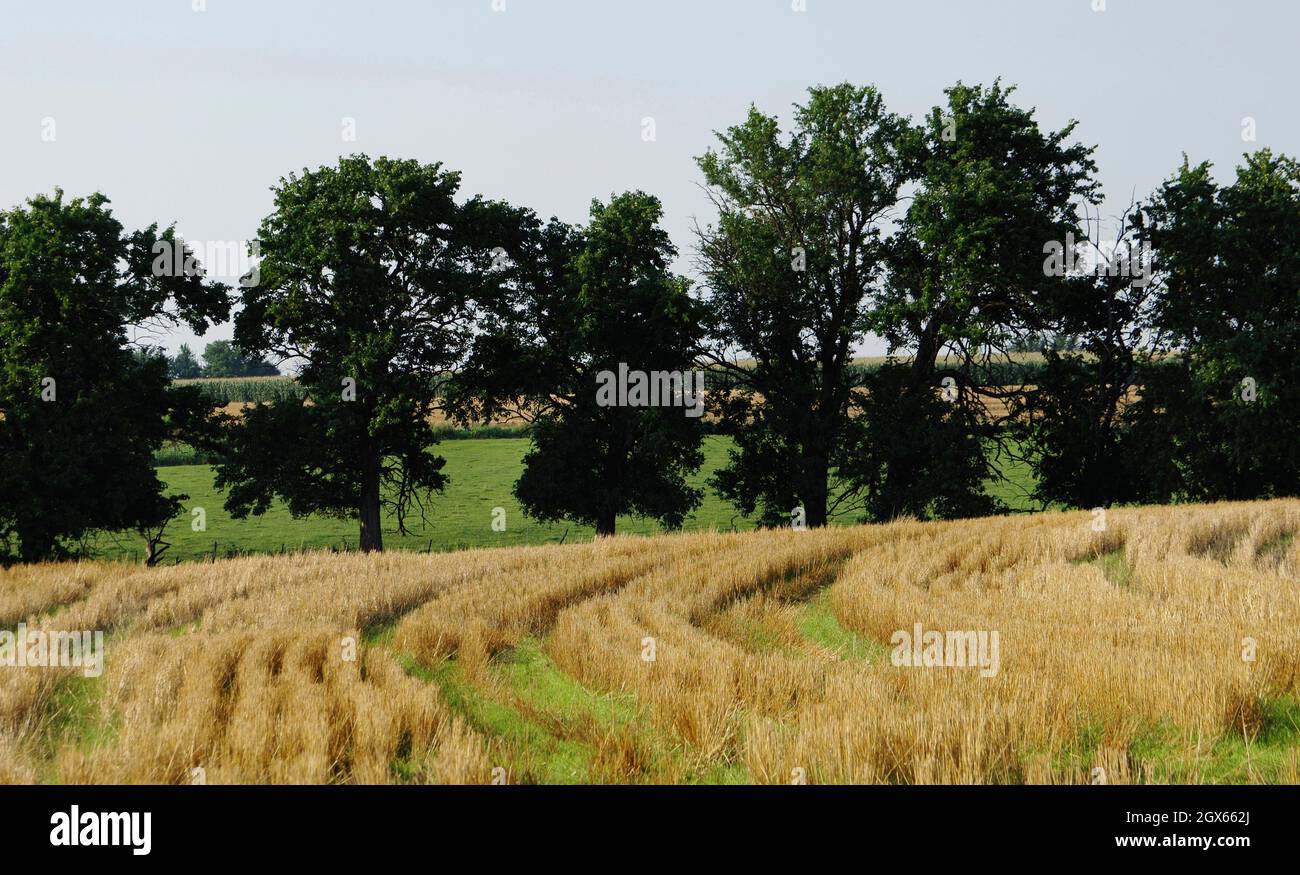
482	472
1161	648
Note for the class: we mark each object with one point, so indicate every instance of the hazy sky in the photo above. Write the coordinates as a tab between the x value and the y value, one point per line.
187	116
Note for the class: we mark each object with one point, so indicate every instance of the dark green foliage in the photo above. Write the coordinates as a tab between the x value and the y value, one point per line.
185	366
1229	258
1161	406
962	275
967	265
221	358
1041	341
396	301
587	303
1087	421
1089	445
78	451
967	280
935	439
372	276
791	269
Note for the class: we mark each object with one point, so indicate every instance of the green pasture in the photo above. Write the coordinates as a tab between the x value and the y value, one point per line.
481	471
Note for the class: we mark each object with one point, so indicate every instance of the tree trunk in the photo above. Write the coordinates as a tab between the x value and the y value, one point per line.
154	547
605	523
927	350
372	535
815	495
902	468
35	548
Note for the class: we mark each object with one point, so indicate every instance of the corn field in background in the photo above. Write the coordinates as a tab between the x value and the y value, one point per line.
249	390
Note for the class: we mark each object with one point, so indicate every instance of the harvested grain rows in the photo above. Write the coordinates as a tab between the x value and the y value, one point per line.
1153	648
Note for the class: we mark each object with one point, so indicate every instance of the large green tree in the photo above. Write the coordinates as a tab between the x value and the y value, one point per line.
1228	257
1187	388
222	358
592	305
372	276
966	283
1086	423
791	270
81	409
185	366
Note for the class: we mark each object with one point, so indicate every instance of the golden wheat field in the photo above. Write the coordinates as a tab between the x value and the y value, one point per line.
1160	648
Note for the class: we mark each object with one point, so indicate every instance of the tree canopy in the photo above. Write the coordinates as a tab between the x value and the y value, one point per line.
74	287
222	358
952	238
791	269
600	305
373	276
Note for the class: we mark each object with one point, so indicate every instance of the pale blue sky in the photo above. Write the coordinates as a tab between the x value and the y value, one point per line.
192	116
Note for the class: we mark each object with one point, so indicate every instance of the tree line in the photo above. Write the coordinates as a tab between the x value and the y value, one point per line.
1169	359
221	358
